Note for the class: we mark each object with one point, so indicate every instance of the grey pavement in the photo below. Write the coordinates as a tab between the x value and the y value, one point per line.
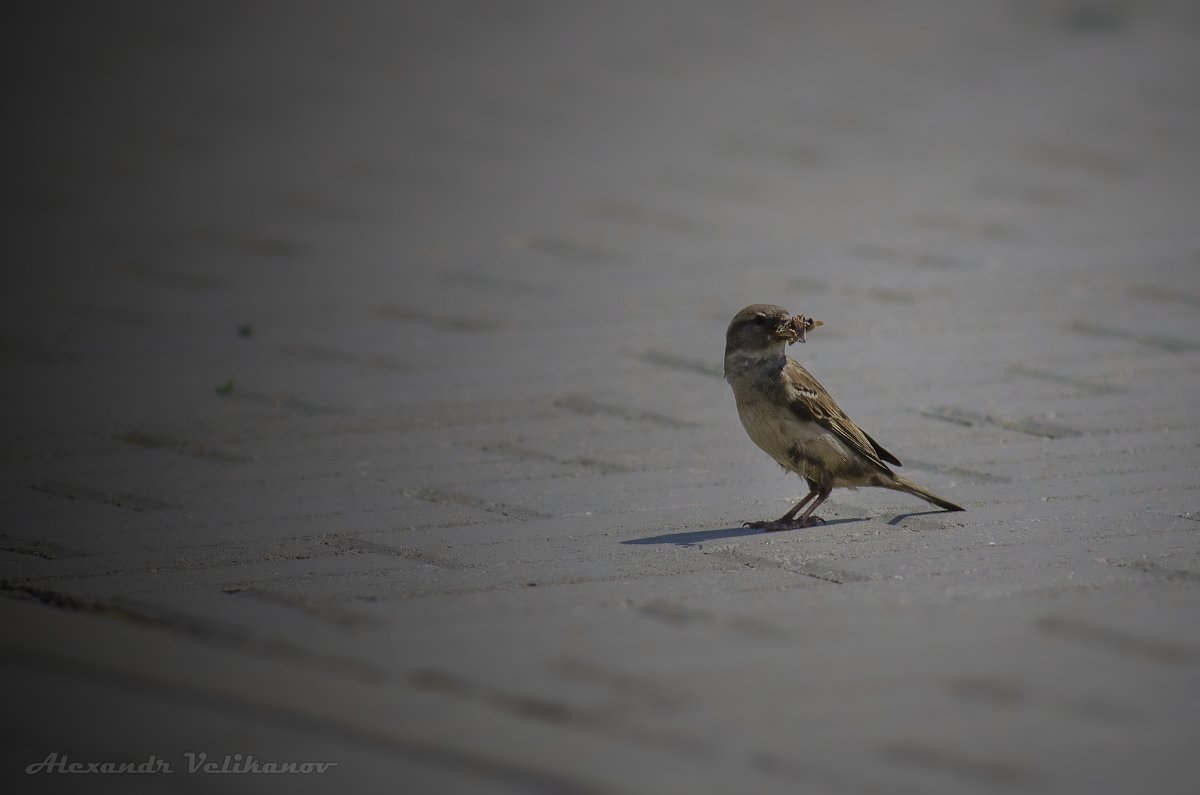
362	396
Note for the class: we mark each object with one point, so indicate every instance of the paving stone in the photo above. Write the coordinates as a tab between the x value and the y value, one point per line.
363	396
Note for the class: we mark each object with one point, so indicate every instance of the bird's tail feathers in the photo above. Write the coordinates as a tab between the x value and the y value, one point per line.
901	483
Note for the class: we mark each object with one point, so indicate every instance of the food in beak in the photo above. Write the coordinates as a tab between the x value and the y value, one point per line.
796	329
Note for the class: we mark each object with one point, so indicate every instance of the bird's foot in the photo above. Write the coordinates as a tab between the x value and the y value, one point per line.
780	525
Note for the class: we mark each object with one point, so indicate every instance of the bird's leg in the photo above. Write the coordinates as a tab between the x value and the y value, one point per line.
807	519
788	521
790	515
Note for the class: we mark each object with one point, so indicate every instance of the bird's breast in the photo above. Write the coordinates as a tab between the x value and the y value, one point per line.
800	446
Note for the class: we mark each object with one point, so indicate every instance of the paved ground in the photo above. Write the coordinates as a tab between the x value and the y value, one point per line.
363	404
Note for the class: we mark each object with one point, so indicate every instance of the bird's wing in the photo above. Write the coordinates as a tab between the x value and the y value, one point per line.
880	451
808	400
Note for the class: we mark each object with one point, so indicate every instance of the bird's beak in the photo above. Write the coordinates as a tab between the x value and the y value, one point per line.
795	329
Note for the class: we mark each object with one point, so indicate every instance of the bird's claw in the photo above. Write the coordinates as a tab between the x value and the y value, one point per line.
780	525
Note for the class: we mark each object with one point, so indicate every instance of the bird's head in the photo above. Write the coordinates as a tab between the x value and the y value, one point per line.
766	329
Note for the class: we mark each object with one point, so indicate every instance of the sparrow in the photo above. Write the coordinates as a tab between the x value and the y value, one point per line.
787	413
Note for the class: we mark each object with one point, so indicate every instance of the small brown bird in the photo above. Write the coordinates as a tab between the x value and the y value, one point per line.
789	415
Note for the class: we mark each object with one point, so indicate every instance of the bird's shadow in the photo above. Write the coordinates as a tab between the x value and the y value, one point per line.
690	537
900	517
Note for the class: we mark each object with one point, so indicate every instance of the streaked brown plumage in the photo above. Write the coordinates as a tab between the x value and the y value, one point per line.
793	419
